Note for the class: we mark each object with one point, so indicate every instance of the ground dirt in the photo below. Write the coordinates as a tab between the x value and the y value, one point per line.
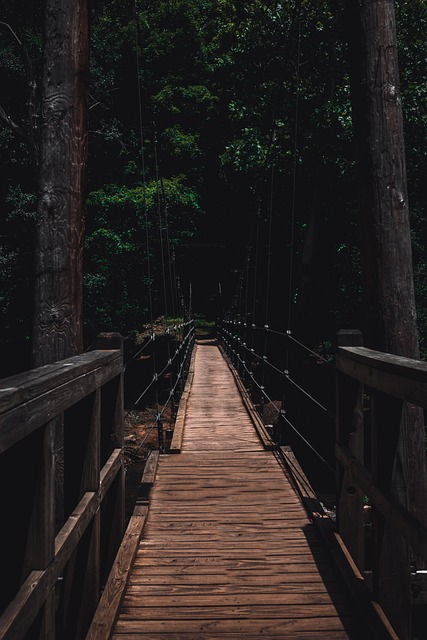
140	438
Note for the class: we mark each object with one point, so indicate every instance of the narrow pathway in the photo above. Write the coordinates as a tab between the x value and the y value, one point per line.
228	550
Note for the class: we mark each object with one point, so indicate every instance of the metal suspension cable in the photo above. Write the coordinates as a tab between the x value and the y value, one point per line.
296	126
161	205
283	415
309	396
160	219
303	346
171	393
156	375
142	153
296	471
299	434
270	230
258	216
288	334
248	262
147	237
168	248
138	353
239	285
161	201
287	377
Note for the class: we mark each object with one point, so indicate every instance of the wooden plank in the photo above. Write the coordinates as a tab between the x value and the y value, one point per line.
109	471
206	626
230	611
112	417
178	430
41	532
390	552
397	376
268	585
106	613
86	575
368	607
262	433
23	609
134	600
342	558
23	387
23	419
350	434
45	394
228	549
290	635
408	526
148	475
243	580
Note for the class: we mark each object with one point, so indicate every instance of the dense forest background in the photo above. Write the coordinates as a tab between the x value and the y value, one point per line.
247	165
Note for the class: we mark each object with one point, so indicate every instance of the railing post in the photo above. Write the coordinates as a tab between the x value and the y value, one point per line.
160	435
350	434
41	541
391	562
52	583
81	584
112	418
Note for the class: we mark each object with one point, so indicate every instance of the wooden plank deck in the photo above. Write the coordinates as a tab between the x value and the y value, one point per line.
228	550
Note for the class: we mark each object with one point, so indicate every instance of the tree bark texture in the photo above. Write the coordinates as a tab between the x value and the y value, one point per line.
384	212
57	330
389	299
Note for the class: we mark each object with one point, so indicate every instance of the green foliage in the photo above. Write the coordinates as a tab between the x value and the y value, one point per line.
216	79
123	249
16	258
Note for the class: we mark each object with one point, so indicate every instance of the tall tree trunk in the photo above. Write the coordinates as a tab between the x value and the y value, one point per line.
57	323
390	317
384	213
57	329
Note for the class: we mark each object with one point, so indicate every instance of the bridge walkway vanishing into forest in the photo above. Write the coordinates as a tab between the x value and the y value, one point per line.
228	550
226	539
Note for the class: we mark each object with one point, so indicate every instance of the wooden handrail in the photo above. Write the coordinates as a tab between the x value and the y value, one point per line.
62	477
383	383
399	377
29	401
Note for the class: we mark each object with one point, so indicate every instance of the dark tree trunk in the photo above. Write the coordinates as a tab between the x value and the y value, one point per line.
390	317
58	275
377	116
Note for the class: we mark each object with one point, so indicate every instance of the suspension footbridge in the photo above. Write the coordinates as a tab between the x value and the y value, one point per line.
227	538
228	549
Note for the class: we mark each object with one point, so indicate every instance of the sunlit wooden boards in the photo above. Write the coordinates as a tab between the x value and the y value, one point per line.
216	418
228	550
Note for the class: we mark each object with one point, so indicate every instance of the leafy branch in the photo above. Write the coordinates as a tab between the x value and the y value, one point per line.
30	138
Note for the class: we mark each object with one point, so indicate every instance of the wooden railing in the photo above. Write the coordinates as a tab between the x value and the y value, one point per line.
373	390
62	492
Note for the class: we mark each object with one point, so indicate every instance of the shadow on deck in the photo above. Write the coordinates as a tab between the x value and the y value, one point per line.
229	549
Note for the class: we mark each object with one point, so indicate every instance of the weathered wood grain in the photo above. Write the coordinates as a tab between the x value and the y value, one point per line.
240	626
178	431
106	612
24	418
23	387
397	376
148	476
414	532
308	635
228	550
31	405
